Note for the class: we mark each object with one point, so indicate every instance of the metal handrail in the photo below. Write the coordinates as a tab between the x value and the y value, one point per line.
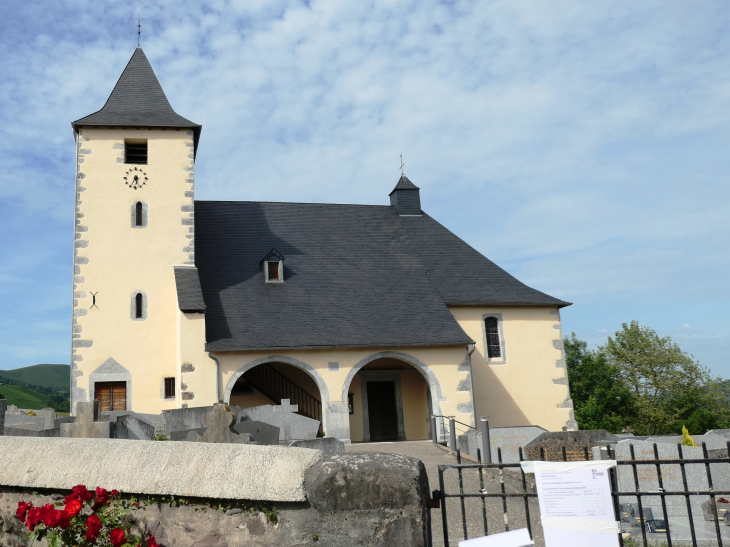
276	386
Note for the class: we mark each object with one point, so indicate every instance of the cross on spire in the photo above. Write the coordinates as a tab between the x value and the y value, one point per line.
139	27
401	164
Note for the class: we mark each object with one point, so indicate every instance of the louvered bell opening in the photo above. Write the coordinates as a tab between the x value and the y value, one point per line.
135	152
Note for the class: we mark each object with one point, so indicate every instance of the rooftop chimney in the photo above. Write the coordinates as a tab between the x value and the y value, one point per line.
406	198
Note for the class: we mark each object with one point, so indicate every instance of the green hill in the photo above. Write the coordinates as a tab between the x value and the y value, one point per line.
53	376
22	397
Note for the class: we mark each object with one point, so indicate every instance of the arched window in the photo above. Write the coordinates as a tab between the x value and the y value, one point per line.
494	348
138	306
138	214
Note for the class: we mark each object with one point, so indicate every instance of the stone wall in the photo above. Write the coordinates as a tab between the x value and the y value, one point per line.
271	495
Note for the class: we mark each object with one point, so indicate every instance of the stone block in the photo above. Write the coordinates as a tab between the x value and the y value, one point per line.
328	445
575	443
291	426
181	419
86	424
131	427
263	434
205	470
220	421
509	439
21	421
42	433
182	435
3	408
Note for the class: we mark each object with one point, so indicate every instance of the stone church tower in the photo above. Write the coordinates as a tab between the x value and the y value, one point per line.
134	233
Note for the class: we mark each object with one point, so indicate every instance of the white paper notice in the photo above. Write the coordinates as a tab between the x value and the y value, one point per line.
515	538
575	504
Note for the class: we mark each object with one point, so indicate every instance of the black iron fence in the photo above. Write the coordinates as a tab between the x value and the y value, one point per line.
482	499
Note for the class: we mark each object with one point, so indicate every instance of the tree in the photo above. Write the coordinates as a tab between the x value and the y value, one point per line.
669	387
600	398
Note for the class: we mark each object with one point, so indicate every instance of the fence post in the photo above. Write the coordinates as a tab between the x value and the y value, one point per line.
434	434
486	444
452	434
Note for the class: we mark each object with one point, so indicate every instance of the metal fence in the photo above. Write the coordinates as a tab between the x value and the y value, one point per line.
483	499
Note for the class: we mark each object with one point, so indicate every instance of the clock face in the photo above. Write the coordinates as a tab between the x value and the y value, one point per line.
135	178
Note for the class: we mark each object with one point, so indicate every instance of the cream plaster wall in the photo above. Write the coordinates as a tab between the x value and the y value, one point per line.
416	419
254	399
197	387
356	423
530	387
115	260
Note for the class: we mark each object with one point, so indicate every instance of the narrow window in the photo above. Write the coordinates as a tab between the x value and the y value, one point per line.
138	305
169	388
135	152
273	271
493	345
138	214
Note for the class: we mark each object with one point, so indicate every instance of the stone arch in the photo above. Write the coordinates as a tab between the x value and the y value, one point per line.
311	371
433	384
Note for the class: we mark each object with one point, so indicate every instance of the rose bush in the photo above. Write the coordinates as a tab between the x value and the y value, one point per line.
84	518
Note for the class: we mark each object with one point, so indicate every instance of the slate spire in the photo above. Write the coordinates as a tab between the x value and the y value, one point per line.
138	100
406	197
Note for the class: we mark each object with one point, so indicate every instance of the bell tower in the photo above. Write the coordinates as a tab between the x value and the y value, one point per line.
135	163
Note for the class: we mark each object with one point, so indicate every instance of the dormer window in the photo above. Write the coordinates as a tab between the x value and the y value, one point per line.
273	266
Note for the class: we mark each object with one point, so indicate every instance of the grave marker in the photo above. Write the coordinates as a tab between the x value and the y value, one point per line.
3	407
220	422
291	426
86	424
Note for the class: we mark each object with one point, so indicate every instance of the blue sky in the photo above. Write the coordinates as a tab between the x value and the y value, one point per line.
582	146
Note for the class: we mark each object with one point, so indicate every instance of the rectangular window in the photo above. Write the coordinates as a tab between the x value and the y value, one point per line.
169	388
273	268
135	152
111	395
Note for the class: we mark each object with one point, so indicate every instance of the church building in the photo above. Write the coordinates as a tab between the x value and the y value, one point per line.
370	318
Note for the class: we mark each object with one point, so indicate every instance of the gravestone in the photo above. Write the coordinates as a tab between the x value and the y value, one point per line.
182	419
131	427
86	425
21	421
291	426
219	429
3	408
43	433
575	443
262	433
672	480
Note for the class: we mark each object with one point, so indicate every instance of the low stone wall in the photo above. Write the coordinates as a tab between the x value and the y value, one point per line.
271	495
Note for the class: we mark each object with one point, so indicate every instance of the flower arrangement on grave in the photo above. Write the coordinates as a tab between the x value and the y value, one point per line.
84	518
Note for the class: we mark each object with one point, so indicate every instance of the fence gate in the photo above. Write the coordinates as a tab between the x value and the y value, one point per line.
672	502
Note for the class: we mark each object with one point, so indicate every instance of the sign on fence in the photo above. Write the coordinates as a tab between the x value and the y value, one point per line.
576	505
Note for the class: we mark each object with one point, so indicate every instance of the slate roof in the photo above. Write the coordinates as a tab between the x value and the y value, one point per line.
189	294
404	183
139	101
354	276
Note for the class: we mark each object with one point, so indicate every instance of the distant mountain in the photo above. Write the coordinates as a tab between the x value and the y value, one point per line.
22	397
53	376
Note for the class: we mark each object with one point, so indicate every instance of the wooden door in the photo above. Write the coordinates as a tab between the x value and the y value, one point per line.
382	413
111	395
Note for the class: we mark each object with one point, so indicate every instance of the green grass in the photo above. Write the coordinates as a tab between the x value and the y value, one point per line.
55	376
22	397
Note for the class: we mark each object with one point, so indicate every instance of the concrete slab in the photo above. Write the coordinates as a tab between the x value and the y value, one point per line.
226	471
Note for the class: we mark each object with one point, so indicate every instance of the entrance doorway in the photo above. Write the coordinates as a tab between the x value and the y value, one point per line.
382	411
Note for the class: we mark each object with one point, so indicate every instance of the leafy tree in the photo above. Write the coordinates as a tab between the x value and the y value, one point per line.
669	387
600	398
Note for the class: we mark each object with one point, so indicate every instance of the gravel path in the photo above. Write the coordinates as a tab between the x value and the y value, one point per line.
432	456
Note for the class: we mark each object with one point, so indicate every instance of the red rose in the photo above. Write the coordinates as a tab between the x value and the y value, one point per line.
83	493
114	493
65	520
35	516
102	498
73	496
22	510
51	517
117	537
74	507
93	526
152	542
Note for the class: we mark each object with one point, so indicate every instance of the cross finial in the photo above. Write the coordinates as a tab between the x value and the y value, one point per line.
139	27
401	164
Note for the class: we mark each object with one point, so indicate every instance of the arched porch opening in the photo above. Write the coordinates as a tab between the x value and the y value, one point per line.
270	380
391	397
